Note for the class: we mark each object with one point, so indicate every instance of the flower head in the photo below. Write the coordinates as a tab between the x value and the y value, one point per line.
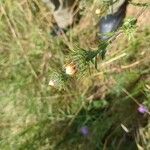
84	131
142	109
71	69
52	83
97	11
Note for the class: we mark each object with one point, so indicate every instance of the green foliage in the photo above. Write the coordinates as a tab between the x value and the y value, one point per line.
140	4
129	28
99	104
59	79
125	80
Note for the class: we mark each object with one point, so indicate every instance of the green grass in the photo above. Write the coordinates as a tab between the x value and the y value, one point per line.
35	116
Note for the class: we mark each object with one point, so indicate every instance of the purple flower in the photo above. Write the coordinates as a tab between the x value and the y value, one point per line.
142	109
84	131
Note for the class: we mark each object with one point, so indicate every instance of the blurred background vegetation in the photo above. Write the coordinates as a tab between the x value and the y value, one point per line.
35	116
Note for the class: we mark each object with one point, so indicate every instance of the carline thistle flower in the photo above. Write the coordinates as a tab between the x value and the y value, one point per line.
70	69
97	11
